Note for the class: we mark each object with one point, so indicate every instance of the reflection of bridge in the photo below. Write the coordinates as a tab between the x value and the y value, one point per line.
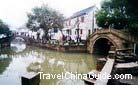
103	39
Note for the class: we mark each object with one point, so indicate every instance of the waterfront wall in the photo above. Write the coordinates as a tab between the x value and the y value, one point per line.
61	48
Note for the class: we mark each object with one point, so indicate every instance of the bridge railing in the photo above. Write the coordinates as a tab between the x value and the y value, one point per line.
102	31
120	34
113	31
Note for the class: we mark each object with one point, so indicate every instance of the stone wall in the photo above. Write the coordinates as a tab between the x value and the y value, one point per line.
60	48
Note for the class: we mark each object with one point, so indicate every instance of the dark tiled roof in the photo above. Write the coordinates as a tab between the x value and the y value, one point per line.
82	12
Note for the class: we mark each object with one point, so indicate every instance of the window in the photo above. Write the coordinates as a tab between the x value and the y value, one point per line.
70	32
89	32
82	19
81	31
67	31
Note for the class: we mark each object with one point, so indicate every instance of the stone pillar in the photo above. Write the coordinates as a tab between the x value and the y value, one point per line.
30	79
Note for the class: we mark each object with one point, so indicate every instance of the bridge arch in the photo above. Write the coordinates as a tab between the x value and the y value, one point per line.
102	40
107	38
26	39
102	45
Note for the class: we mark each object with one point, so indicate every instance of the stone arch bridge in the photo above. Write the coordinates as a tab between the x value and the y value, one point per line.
26	38
102	40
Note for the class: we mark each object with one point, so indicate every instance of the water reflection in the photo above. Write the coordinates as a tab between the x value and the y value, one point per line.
33	59
18	44
4	62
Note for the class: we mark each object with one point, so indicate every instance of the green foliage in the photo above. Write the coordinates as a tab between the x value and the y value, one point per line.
102	19
45	18
119	14
4	29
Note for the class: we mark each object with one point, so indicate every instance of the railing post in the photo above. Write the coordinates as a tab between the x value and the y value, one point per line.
110	30
96	31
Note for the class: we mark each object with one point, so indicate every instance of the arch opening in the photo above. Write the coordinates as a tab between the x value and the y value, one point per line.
18	44
102	46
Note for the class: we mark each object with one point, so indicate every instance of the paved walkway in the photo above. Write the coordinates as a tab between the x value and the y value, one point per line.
107	69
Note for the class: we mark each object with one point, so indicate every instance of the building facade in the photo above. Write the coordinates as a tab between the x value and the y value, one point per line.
81	24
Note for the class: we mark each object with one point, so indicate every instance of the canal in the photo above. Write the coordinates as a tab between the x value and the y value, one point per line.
15	62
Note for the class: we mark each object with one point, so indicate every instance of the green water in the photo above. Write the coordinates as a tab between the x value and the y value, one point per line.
33	59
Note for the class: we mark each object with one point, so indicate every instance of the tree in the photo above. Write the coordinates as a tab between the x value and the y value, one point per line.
119	14
4	29
45	18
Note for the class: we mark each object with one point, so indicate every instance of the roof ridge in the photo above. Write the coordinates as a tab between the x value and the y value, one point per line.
81	12
84	9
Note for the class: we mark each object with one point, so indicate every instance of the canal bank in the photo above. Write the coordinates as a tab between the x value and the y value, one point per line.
58	46
62	48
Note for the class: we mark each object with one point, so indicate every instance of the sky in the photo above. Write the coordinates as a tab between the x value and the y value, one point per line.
14	12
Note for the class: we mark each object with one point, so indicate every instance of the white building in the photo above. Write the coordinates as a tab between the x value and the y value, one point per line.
55	35
81	23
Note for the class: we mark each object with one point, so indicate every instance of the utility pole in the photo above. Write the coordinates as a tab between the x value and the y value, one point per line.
93	21
78	33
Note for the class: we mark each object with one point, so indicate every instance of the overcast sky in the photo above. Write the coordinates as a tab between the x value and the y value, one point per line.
13	12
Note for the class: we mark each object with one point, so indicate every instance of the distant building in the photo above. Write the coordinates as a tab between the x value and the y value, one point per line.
81	23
